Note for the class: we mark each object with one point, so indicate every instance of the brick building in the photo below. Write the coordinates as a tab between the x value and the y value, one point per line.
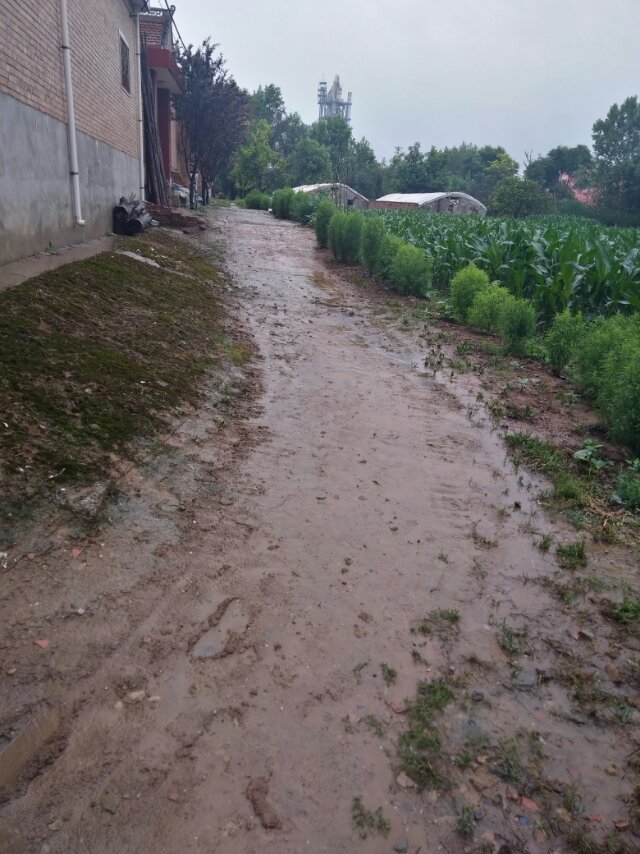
166	79
40	198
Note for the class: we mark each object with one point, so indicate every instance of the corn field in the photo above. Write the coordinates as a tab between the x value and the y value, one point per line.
556	262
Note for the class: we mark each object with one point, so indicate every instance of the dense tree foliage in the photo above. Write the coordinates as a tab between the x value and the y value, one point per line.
519	197
213	114
616	143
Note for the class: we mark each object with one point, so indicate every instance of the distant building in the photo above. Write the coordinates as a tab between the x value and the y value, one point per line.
438	202
588	196
331	103
343	195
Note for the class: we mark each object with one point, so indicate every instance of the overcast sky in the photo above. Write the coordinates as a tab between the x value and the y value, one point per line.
525	74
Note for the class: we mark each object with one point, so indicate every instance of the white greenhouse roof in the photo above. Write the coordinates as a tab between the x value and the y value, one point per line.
314	188
421	199
413	198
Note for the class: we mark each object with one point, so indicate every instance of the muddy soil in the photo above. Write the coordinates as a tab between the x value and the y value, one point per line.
205	673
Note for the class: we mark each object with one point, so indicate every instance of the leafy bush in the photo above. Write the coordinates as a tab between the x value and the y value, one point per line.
488	307
325	210
628	488
517	326
372	240
608	369
354	225
602	336
256	200
619	394
336	231
388	251
303	207
411	271
281	203
465	285
562	339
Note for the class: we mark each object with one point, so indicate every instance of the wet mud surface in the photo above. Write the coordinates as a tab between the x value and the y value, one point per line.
213	675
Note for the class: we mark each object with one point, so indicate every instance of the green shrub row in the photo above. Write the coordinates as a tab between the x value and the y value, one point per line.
354	239
300	207
492	308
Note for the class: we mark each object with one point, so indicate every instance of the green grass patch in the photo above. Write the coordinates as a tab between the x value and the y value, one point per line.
419	747
441	621
572	555
509	639
368	821
388	674
464	825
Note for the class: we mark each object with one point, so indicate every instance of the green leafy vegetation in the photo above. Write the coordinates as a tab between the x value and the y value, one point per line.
256	200
282	202
517	326
419	747
562	339
488	308
324	212
572	555
388	674
464	825
372	238
628	487
509	639
367	821
465	286
411	271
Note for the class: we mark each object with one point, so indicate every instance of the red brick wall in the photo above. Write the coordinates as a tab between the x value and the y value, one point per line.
31	64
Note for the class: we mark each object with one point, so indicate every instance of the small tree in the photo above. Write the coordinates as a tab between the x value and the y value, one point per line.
372	239
310	163
324	212
256	161
519	197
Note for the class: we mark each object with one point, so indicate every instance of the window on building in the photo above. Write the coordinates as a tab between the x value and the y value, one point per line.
125	64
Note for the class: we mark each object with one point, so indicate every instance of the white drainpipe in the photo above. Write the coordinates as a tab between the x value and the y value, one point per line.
71	116
140	113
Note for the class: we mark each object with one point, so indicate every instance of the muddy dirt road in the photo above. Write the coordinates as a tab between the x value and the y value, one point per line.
271	590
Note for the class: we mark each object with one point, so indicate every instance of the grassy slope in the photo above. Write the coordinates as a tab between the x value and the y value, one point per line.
100	353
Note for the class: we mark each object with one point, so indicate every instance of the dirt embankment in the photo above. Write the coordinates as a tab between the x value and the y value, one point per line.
323	624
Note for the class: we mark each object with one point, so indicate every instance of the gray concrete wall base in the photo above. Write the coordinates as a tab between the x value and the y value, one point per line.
36	205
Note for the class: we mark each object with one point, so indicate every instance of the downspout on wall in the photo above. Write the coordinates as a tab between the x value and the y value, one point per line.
140	113
71	115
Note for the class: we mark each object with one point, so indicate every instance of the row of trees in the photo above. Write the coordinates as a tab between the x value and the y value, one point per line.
239	141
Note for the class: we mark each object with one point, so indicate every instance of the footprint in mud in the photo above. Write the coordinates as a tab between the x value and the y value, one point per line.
227	626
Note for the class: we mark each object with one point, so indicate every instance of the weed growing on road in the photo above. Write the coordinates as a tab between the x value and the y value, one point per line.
571	555
388	674
441	621
508	639
419	748
464	824
628	611
508	761
375	725
367	821
545	542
